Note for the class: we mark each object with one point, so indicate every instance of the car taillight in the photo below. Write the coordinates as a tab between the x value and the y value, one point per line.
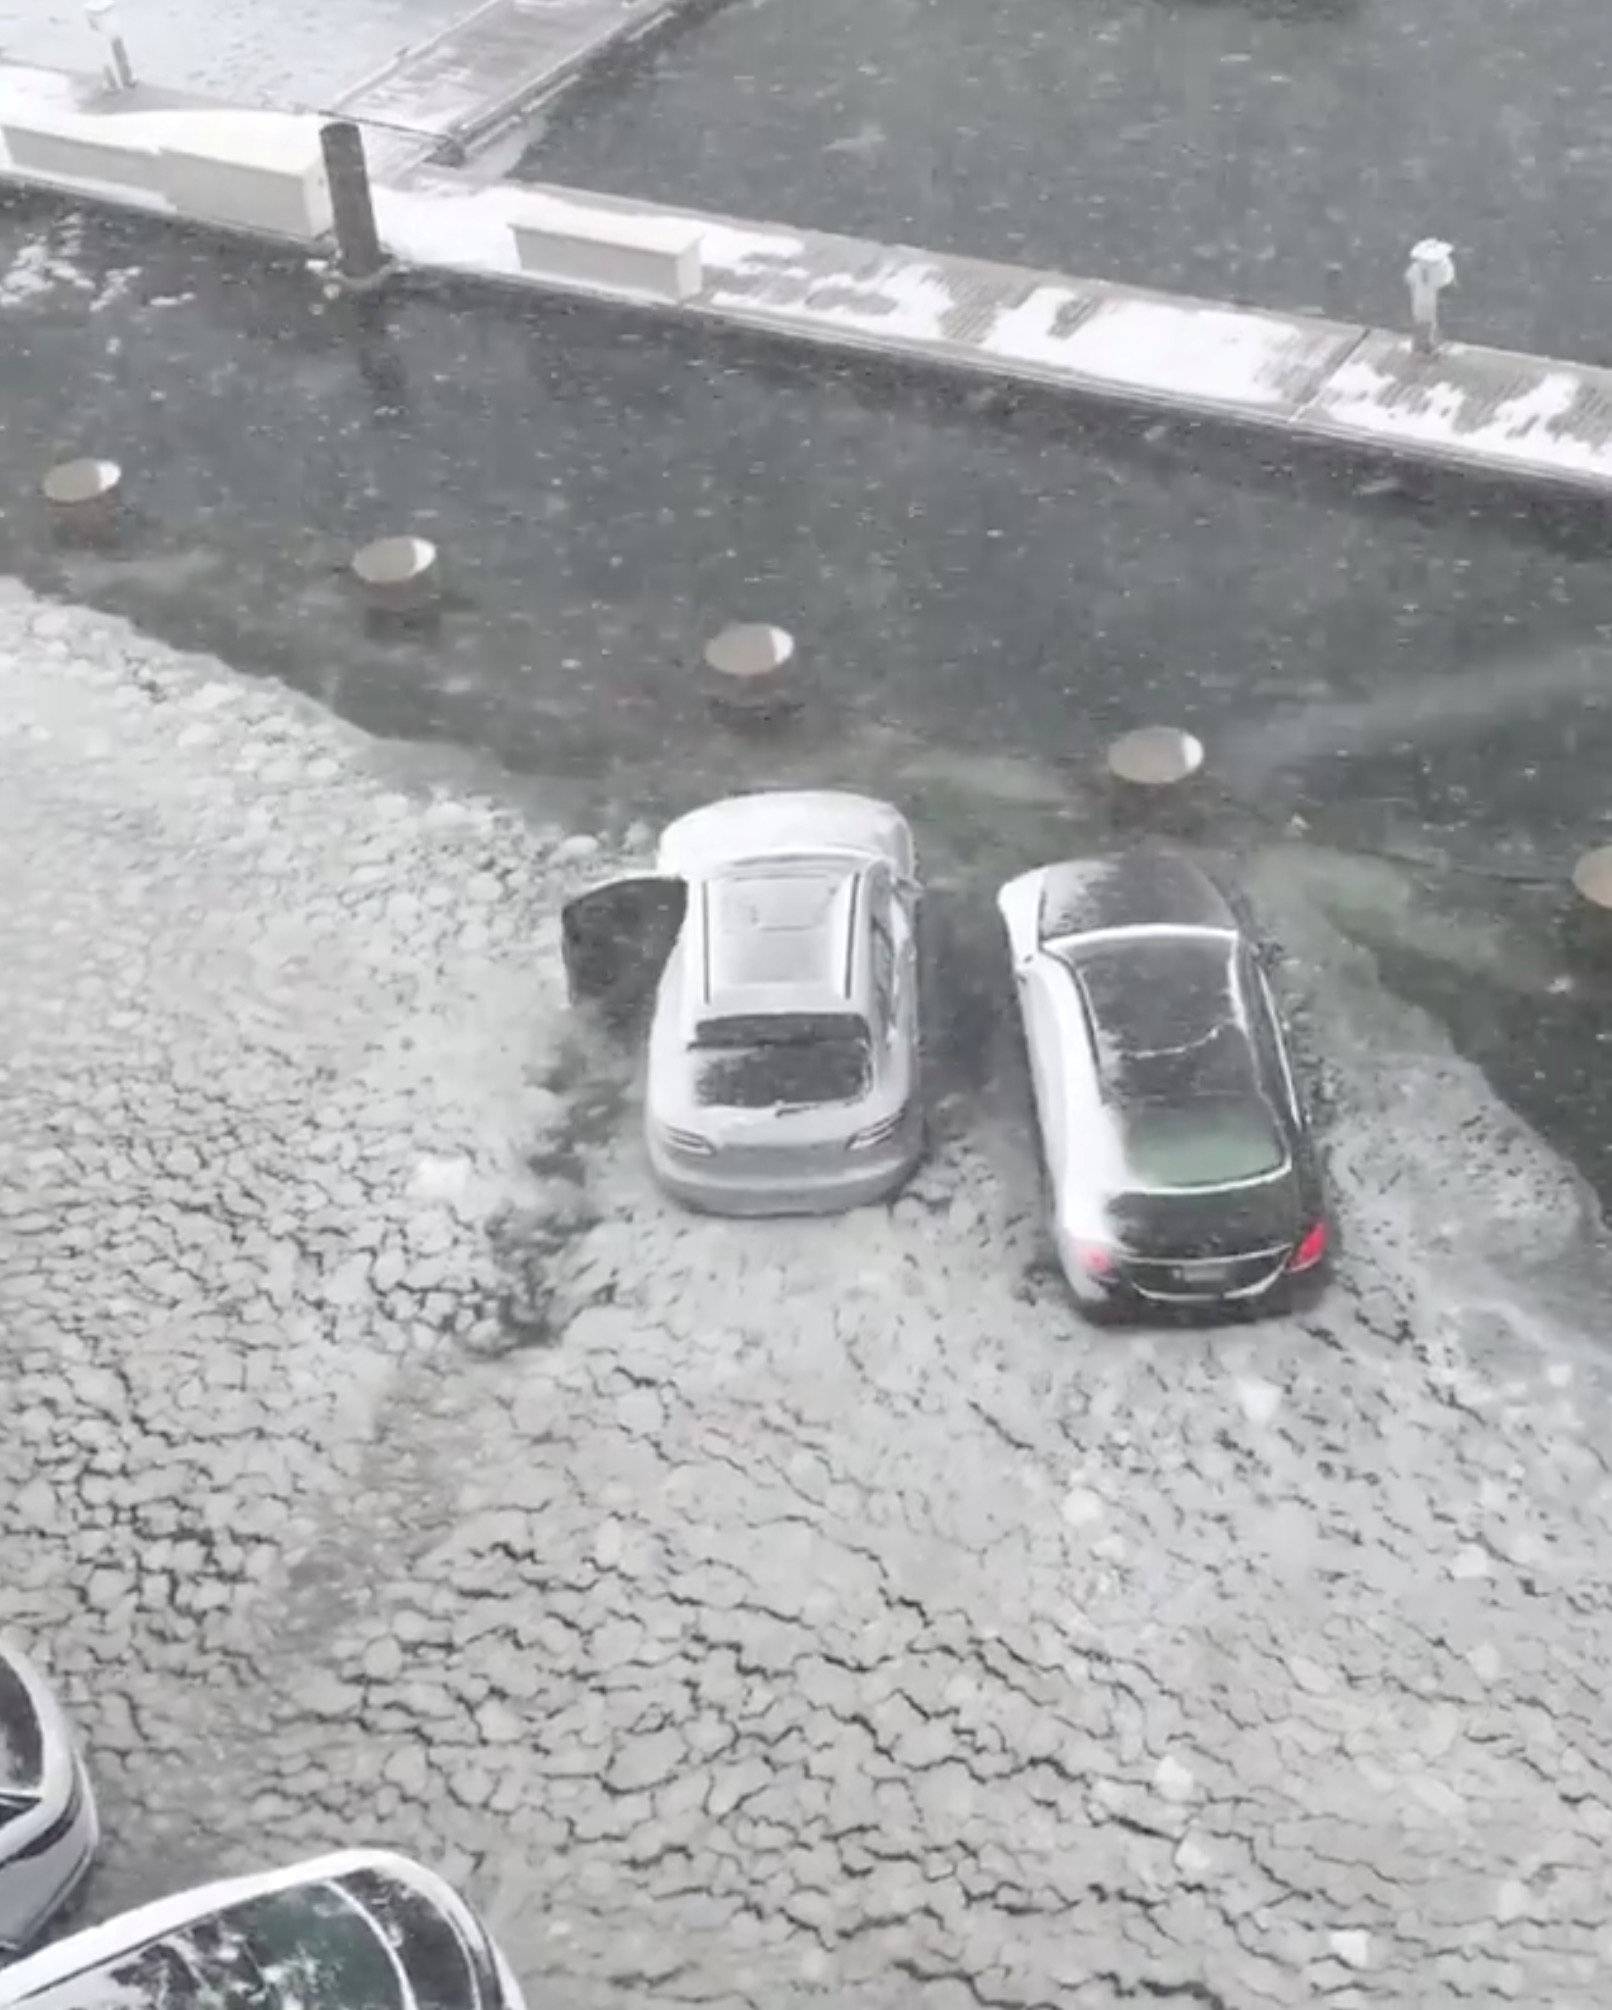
1096	1259
1311	1249
875	1134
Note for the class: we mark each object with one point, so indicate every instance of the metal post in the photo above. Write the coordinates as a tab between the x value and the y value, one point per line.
358	242
102	17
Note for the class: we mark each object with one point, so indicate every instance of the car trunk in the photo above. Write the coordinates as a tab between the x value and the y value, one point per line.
1210	1242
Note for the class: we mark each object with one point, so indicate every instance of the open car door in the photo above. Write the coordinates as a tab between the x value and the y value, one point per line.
616	938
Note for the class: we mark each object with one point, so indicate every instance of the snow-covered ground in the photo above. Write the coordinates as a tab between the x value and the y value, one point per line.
755	1612
284	53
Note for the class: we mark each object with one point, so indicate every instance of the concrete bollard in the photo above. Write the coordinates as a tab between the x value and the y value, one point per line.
399	576
1587	929
83	499
1153	776
750	674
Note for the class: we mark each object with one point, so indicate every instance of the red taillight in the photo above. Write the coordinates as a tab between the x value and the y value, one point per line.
1311	1250
1096	1259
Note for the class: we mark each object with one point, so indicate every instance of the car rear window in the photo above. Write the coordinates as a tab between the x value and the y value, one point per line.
1200	1143
1203	1222
759	1061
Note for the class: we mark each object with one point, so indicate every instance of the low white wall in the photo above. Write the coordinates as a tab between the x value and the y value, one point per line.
87	149
653	256
247	170
244	170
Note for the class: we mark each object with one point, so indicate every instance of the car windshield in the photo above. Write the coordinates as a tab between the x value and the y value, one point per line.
21	1749
761	1061
308	1948
1207	1142
441	1970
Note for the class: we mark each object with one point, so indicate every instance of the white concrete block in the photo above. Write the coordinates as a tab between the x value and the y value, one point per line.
83	148
618	251
259	171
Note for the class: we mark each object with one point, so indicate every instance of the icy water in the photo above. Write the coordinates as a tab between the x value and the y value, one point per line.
1276	151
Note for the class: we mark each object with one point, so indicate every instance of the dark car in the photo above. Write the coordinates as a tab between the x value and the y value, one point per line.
1177	1146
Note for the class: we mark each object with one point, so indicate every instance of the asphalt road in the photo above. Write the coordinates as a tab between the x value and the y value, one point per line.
1281	151
385	1458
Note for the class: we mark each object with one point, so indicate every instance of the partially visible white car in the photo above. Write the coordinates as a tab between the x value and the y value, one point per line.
359	1930
781	933
49	1832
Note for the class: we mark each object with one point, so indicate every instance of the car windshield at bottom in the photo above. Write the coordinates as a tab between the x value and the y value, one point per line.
22	1753
304	1949
1203	1143
756	1061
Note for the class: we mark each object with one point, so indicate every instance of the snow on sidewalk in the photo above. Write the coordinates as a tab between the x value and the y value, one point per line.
1471	407
281	53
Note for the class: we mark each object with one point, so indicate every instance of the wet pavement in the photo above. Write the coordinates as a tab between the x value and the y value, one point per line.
992	584
1282	152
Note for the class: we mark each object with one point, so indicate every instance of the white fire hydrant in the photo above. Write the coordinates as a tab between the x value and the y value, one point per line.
1431	269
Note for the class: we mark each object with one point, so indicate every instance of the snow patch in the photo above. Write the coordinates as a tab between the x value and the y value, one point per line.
1258	1400
1227	355
464	232
1174	1781
732	247
37	269
1082	1507
911	298
1528	428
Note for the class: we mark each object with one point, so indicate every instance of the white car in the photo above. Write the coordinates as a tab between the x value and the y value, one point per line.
360	1930
48	1827
783	1054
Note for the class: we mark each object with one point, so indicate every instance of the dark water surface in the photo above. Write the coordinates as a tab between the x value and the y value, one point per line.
1283	152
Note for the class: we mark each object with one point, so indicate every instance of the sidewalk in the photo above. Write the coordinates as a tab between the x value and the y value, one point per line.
1488	410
